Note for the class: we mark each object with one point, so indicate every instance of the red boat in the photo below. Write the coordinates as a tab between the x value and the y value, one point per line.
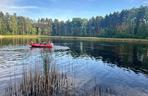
49	45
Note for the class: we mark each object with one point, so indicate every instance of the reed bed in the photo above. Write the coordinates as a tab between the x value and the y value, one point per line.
51	82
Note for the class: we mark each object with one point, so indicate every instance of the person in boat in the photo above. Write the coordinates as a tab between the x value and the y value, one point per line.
50	43
43	42
31	42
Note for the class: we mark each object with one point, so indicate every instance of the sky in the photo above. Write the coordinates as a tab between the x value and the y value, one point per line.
67	9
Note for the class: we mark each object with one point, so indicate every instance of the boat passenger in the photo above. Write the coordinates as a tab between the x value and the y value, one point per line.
32	42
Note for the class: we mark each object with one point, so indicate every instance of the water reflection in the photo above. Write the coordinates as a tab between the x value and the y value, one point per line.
133	57
122	66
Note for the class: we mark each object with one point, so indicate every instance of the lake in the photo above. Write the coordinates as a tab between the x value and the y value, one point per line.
121	67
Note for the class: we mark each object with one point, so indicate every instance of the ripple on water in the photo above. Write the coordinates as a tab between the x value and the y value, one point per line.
11	63
84	68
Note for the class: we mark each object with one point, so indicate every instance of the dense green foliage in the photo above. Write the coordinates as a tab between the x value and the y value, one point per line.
127	23
131	23
12	24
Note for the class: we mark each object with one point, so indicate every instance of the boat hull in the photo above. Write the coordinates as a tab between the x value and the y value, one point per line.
42	45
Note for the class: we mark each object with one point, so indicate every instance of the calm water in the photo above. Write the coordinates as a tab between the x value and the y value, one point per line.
121	67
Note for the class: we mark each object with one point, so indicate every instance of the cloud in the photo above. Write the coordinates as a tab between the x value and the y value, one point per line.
23	7
145	2
7	2
142	2
11	6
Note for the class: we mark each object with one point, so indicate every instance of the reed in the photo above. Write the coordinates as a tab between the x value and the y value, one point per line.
51	82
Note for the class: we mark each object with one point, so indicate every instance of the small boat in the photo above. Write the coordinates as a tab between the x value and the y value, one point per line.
38	45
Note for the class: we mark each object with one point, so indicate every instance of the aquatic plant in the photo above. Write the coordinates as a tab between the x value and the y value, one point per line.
51	82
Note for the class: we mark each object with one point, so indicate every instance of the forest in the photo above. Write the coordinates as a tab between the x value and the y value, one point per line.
132	23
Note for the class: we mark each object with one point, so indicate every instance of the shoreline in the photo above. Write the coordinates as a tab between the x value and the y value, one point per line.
19	36
101	39
98	39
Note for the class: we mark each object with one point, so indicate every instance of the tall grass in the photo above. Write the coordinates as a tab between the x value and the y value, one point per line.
51	82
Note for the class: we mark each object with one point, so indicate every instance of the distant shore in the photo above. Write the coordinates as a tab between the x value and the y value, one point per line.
19	36
99	39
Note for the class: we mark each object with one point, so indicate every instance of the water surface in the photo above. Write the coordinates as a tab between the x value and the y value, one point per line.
119	66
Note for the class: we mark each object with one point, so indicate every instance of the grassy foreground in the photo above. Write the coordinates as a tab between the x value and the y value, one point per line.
119	40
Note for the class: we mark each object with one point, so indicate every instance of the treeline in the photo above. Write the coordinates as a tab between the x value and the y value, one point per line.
131	23
12	24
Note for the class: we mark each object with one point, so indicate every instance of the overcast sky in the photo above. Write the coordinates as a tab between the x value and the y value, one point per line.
67	9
